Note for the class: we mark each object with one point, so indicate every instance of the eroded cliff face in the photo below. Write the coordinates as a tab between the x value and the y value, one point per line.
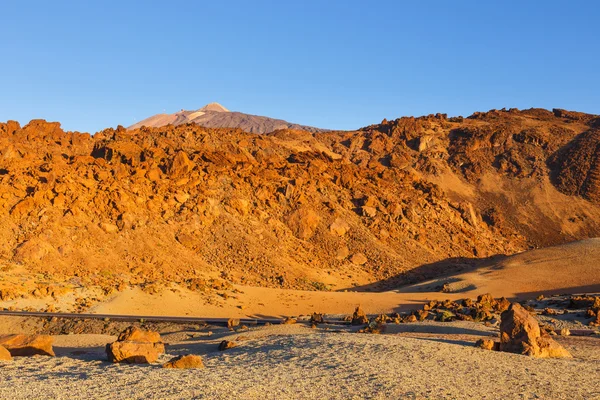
294	209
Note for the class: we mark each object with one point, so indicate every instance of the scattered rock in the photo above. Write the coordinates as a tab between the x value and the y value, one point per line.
446	316
549	311
185	362
411	318
373	328
520	333
226	344
28	345
303	222
359	317
232	323
316	318
487	344
339	227
422	314
342	253
358	259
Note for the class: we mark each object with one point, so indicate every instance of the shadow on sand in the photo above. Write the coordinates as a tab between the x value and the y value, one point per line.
443	269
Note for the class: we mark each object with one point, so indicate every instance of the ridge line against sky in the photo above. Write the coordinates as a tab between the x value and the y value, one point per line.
335	64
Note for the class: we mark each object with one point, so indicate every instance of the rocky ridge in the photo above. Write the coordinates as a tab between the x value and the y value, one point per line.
204	208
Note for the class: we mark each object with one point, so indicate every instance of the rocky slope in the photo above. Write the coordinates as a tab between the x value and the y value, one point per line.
214	115
186	204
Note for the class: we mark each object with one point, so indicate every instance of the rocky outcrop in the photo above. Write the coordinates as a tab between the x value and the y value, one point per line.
153	206
135	346
27	345
577	166
189	361
520	333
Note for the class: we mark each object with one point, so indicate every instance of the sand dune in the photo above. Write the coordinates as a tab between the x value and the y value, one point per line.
568	268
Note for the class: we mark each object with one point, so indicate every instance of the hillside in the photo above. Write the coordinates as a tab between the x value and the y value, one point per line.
153	207
214	115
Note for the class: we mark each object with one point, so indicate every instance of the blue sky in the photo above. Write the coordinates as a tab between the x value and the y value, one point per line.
332	64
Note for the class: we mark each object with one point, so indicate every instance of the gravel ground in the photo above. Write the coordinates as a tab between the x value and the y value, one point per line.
295	362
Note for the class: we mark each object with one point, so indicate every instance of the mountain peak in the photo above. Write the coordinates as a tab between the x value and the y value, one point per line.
216	107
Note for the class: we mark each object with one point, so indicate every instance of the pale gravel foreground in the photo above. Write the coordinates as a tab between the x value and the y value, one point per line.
293	362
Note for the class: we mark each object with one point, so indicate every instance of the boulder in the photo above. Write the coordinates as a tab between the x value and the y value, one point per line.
422	315
316	318
520	333
189	361
358	259
5	354
180	166
232	323
339	227
135	346
28	345
486	301
487	344
342	253
134	352
303	222
359	317
369	211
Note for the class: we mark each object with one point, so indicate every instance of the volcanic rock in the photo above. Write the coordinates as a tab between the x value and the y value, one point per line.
359	317
134	352
135	334
520	333
316	318
156	205
232	323
135	346
303	222
339	227
487	344
411	318
28	345
358	259
189	361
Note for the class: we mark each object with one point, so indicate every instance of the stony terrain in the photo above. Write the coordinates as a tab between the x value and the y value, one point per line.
436	358
207	208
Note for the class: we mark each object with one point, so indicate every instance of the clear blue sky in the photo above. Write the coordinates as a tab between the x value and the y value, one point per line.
332	64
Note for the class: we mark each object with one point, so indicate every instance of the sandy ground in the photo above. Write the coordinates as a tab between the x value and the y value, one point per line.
296	362
570	268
